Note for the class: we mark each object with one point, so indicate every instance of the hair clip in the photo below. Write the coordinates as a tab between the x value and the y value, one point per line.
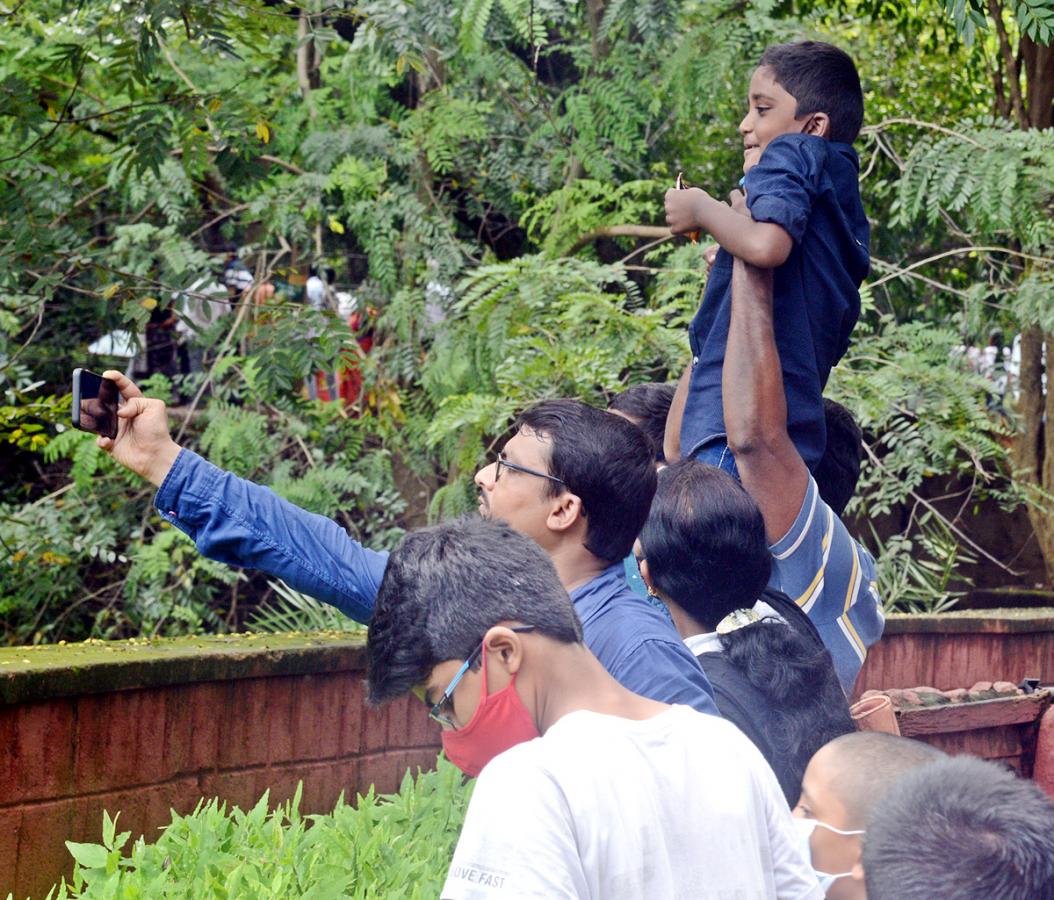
738	618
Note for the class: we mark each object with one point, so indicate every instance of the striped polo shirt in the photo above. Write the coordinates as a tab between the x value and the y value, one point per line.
831	577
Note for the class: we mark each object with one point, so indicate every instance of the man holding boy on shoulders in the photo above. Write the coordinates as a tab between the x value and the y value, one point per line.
815	561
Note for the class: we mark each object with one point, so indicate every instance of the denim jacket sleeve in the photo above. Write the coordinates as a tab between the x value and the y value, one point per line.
240	523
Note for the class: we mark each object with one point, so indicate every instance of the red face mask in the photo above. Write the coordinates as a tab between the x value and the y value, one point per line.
501	721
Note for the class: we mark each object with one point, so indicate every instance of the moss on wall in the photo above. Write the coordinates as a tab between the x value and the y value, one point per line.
94	666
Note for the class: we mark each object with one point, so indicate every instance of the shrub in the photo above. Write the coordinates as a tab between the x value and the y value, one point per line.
397	845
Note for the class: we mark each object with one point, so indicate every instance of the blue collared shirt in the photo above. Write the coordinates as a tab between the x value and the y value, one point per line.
808	186
240	523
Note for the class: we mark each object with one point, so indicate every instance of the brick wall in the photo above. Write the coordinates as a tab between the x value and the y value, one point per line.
958	649
143	728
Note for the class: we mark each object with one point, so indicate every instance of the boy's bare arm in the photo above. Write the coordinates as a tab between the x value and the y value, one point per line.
761	244
671	441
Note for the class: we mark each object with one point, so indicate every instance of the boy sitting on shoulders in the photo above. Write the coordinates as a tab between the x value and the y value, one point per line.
804	219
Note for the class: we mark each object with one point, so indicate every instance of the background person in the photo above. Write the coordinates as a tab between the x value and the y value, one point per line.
961	828
709	562
842	784
585	789
575	479
646	406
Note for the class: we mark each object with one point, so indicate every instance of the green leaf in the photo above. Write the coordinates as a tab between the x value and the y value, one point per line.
90	856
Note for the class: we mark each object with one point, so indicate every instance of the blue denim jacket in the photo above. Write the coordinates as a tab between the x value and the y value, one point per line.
240	523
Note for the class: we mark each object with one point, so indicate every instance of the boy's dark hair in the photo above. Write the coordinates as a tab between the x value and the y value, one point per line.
839	468
821	78
648	405
866	764
604	460
963	828
705	542
445	586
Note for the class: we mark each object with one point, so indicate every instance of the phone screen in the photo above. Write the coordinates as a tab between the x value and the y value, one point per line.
95	403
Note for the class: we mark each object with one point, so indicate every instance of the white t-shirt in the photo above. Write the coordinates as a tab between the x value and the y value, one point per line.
678	805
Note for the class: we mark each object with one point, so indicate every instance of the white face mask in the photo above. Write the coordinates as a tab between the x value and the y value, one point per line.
804	829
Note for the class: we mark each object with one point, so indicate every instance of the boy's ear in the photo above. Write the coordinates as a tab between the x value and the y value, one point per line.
819	125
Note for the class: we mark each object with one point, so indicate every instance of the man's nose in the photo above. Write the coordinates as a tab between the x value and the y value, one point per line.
485	476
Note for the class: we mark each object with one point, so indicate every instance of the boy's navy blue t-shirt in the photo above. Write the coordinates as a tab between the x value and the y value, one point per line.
808	186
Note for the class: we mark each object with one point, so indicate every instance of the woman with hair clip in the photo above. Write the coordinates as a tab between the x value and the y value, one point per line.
709	562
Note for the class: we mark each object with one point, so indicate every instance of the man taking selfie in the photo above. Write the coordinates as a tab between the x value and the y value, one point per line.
577	480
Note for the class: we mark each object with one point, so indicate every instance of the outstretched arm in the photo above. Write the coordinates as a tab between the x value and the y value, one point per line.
755	405
237	522
763	244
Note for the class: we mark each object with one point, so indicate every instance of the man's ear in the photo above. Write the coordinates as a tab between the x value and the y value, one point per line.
819	125
565	513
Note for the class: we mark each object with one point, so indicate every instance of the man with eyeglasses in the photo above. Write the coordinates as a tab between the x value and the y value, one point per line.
577	480
585	789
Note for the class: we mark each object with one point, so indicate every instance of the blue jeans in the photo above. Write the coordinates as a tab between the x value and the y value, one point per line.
716	453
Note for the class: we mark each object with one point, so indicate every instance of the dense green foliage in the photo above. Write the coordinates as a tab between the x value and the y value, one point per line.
460	166
397	845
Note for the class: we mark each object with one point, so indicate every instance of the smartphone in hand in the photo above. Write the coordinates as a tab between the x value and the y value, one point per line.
95	402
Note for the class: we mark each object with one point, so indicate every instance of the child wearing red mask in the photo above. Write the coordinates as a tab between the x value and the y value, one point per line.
584	788
802	216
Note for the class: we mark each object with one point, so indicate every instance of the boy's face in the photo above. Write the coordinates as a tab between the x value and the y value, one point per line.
820	799
771	113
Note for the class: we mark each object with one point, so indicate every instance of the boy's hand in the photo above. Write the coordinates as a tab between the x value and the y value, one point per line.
710	257
683	209
143	443
738	201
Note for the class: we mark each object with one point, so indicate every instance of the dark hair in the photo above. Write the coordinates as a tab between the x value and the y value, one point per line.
963	828
705	542
796	674
445	586
604	460
821	78
647	405
868	763
707	552
839	468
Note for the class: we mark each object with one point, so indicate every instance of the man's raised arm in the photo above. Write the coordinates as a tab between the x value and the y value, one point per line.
237	522
755	405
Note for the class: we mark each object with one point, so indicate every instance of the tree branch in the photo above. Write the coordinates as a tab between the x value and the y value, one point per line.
959	251
641	231
919	123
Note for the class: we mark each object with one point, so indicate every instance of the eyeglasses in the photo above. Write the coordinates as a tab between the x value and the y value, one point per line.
435	711
502	462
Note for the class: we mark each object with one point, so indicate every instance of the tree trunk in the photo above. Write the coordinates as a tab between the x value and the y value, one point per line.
1034	445
1032	456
